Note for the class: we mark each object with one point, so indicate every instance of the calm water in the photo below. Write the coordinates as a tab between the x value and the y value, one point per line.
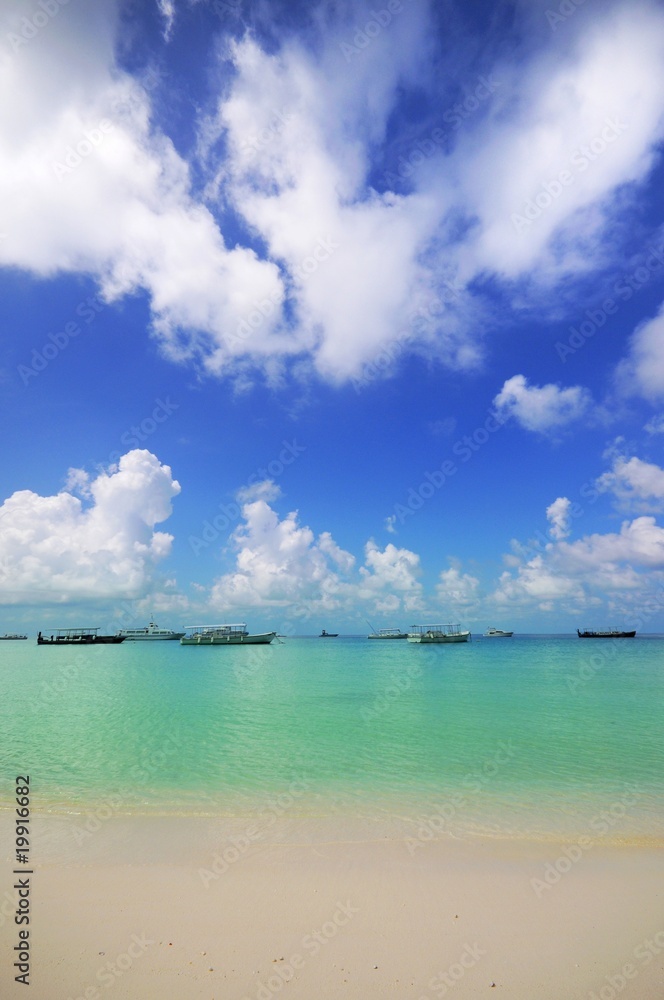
513	736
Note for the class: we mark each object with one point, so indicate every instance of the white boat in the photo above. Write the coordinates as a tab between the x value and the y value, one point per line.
496	632
388	633
438	633
224	635
151	632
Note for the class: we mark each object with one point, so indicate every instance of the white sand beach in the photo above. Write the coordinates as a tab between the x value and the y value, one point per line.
173	908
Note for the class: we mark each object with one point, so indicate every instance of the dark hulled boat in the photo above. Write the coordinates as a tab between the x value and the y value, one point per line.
607	633
77	637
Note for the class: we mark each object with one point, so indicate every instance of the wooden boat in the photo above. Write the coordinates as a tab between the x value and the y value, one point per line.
607	633
82	636
438	633
224	635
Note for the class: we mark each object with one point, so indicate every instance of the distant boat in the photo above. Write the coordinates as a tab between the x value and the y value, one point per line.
388	633
496	632
82	636
224	635
151	632
607	633
328	635
13	635
438	633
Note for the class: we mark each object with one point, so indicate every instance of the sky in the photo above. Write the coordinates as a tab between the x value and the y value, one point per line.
320	314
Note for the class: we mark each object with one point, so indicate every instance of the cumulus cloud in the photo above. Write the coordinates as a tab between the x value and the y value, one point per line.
558	515
457	590
541	408
537	584
62	548
566	575
642	371
390	578
280	563
636	484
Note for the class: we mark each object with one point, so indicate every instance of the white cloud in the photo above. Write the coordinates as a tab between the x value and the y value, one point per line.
537	584
167	9
586	106
541	408
457	590
61	548
88	185
655	425
280	563
642	371
390	578
558	514
349	269
567	576
266	490
637	485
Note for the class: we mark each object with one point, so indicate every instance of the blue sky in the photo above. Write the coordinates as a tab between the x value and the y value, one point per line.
313	314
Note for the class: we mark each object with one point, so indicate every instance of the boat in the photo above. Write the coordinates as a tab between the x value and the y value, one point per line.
13	635
224	635
493	633
151	632
328	635
438	633
388	633
82	636
607	633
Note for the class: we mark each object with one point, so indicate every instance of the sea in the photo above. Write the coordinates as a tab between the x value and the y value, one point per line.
531	737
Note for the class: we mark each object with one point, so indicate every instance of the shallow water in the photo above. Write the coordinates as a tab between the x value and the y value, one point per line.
528	736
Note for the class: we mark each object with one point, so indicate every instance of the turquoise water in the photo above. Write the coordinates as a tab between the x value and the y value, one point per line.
517	736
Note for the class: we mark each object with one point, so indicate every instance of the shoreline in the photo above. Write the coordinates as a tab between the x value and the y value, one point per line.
198	908
627	818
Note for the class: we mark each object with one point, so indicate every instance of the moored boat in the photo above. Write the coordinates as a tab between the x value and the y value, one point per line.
388	633
151	633
438	633
607	633
82	636
494	633
224	635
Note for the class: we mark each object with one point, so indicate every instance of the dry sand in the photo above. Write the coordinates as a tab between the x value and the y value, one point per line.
329	909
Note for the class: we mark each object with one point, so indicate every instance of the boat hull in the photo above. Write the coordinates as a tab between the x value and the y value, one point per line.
228	640
453	637
82	640
152	638
605	635
403	636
